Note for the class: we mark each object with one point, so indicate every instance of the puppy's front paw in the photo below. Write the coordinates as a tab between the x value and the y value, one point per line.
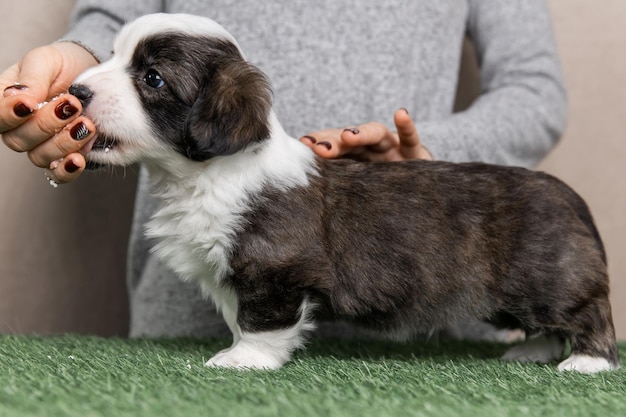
242	356
542	349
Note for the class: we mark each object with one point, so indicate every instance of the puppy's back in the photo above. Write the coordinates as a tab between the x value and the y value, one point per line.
472	238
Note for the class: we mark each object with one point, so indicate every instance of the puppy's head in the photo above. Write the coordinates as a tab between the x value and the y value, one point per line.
176	84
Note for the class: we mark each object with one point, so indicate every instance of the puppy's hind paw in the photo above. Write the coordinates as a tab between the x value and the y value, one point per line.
586	364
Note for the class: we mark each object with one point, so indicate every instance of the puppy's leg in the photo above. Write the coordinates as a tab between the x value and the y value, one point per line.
594	348
540	348
267	349
226	303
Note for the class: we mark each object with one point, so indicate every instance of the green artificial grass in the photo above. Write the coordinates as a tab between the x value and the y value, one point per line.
89	376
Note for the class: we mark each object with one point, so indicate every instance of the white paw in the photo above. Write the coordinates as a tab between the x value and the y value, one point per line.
586	364
541	349
243	356
264	350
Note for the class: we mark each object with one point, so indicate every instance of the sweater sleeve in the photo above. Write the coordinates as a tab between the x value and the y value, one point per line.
522	108
94	23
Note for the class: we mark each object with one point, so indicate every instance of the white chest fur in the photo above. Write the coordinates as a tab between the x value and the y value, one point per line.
203	205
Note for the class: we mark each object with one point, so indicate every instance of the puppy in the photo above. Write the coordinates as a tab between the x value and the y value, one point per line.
278	237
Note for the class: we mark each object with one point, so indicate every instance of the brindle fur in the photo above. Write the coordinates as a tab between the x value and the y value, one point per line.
410	246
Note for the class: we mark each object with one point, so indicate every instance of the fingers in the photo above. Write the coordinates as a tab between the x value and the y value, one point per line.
41	124
410	146
325	143
51	134
15	110
69	140
374	137
334	143
371	141
43	73
66	170
407	132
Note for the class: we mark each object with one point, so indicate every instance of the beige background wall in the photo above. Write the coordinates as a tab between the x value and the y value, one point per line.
592	155
62	251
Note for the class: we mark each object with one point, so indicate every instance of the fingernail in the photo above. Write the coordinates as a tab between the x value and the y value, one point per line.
65	110
79	132
16	87
354	130
71	167
327	145
21	110
311	138
405	110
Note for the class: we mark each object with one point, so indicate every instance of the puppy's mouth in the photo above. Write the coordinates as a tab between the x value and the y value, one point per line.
104	144
100	143
99	146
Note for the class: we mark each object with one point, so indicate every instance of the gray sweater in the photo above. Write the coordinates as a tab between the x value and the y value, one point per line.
336	63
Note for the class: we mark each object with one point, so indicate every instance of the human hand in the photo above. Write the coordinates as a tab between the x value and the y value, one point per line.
371	141
51	134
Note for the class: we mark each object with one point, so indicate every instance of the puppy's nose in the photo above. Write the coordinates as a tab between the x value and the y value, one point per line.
81	92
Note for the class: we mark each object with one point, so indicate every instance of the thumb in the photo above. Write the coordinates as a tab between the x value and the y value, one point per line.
411	146
37	75
407	131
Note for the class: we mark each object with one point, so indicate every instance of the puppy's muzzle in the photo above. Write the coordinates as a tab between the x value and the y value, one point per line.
81	92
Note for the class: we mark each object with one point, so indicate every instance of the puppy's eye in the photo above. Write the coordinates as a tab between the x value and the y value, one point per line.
153	79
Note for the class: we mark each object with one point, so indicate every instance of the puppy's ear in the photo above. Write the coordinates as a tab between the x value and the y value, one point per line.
231	112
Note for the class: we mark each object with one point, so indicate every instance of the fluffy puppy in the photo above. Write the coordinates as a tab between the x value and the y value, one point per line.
277	236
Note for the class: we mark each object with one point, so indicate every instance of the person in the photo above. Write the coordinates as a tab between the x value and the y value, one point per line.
339	70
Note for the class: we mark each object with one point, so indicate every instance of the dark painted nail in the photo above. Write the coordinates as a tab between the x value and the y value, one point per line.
71	167
65	110
18	87
354	130
327	145
21	110
311	138
79	132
